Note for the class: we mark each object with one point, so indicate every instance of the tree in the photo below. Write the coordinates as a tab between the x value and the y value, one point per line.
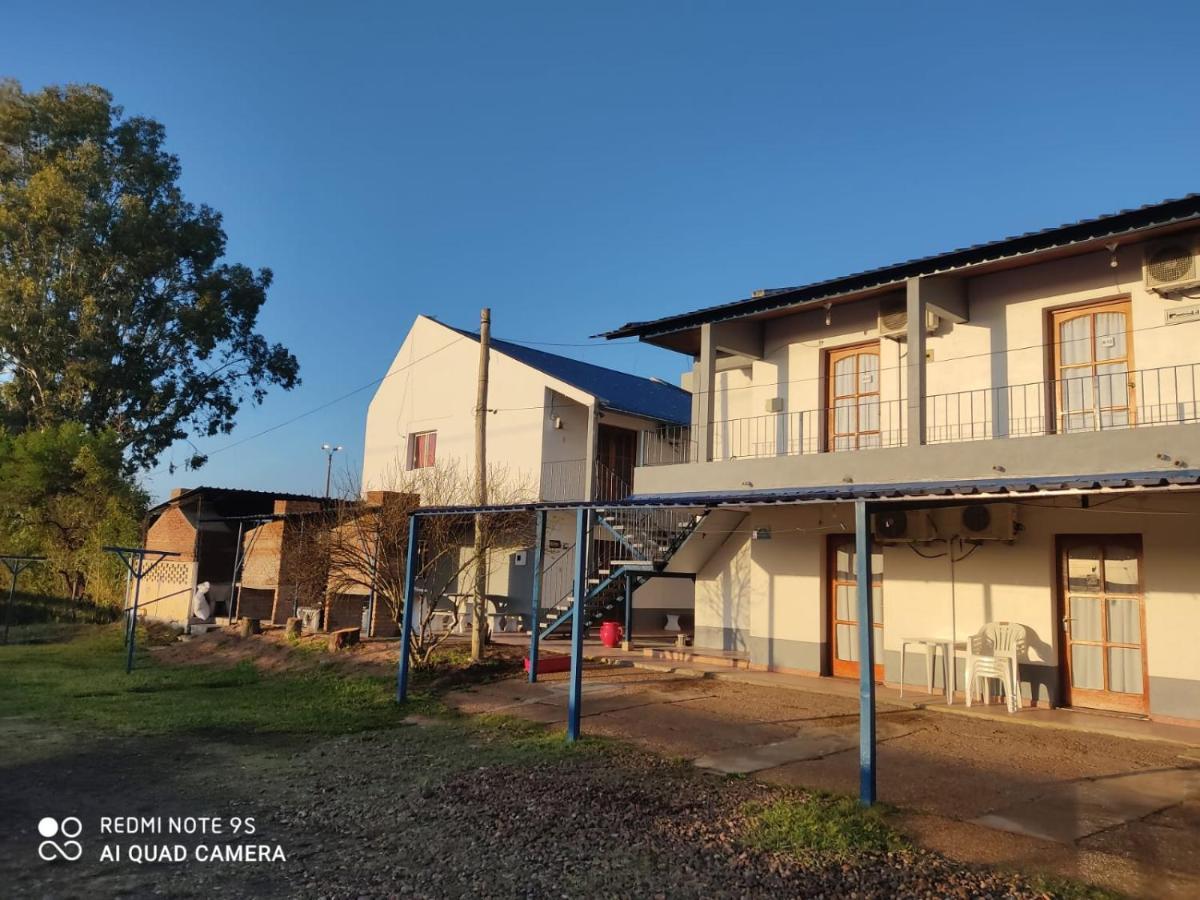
63	494
368	546
116	310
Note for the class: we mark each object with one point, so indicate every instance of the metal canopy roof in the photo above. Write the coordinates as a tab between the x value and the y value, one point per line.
1155	215
997	488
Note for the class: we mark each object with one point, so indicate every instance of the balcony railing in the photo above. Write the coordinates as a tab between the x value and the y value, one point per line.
1169	395
1103	402
564	481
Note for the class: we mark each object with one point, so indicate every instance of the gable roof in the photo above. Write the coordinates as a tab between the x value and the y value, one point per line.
1155	215
618	391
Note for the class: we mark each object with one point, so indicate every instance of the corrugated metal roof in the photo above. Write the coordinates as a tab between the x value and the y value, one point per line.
232	493
1007	488
1153	215
618	391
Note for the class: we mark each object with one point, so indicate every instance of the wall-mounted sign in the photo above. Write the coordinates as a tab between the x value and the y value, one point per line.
1183	314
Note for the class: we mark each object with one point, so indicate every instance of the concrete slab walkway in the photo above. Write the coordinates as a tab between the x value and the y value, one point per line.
1073	811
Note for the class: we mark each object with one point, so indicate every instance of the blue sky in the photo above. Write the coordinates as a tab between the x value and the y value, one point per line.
578	165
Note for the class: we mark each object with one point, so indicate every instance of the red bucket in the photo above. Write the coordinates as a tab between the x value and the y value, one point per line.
610	634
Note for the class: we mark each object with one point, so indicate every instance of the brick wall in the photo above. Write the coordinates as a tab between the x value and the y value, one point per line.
343	611
173	531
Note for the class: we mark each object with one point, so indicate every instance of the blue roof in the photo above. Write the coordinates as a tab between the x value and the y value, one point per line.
618	391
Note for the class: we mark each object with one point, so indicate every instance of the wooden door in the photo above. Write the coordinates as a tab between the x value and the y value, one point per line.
1093	367
1103	622
616	453
852	398
843	608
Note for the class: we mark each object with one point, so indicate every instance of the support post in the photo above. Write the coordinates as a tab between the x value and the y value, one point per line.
15	565
866	654
629	610
133	611
410	601
237	561
575	696
915	368
706	394
535	602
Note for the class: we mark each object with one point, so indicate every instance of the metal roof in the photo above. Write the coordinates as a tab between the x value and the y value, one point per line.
991	488
244	494
1167	212
617	391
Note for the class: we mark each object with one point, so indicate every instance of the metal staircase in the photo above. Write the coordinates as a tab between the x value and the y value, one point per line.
624	541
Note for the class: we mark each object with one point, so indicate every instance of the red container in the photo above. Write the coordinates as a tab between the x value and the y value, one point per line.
610	634
550	663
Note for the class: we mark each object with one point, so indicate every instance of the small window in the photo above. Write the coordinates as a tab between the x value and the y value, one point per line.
422	449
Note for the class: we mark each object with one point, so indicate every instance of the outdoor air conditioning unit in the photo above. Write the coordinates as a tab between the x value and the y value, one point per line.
903	526
1170	265
978	522
893	320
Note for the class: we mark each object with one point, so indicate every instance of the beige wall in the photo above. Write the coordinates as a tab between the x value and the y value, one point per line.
768	597
1003	344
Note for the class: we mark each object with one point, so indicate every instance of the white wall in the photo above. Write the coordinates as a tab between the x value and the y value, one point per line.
777	588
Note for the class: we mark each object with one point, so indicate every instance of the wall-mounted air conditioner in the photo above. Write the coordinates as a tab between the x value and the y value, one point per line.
1170	265
899	526
893	320
977	522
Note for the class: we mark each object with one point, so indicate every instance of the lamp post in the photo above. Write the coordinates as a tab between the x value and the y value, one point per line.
329	449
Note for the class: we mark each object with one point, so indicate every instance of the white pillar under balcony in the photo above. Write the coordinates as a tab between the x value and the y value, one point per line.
706	394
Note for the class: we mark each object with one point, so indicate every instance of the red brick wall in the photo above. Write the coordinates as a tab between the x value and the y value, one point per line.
343	611
173	531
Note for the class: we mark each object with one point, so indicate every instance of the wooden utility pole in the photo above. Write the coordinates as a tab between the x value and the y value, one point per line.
479	624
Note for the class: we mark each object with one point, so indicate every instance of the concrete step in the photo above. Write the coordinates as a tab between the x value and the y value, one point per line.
700	658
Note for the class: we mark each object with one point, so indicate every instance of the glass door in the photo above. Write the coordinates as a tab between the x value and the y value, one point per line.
1103	634
853	398
1093	372
843	608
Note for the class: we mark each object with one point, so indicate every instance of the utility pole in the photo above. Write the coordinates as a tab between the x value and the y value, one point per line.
479	633
329	449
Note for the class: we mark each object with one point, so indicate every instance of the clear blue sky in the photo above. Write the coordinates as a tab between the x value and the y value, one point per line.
578	165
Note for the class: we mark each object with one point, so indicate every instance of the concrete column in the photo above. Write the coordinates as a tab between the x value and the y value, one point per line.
706	383
914	403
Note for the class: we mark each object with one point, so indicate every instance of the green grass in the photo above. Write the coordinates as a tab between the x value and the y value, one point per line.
82	682
820	823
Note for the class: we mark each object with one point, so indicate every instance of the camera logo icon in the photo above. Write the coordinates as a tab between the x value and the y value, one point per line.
69	829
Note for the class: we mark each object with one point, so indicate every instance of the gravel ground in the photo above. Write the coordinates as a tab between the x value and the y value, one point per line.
439	809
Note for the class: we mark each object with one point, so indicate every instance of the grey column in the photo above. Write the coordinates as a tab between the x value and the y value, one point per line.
706	384
914	405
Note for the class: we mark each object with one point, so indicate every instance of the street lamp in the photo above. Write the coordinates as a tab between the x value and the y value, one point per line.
329	449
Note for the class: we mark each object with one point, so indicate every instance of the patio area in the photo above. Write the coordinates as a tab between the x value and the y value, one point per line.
1110	800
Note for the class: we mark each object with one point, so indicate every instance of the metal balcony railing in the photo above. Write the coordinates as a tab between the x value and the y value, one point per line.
1103	401
1097	401
564	480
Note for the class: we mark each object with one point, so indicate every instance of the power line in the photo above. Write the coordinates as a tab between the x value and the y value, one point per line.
335	400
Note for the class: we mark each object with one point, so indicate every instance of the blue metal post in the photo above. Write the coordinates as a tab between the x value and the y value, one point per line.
535	603
866	655
575	697
629	609
410	601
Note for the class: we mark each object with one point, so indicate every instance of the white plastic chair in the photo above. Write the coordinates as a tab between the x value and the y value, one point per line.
993	654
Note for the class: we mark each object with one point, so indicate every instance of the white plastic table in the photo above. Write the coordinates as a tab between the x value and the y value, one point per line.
930	645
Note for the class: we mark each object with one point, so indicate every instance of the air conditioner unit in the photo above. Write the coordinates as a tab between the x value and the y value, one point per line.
1170	265
893	321
978	522
900	526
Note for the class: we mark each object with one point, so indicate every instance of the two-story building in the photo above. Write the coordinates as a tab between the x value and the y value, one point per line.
558	430
1023	416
